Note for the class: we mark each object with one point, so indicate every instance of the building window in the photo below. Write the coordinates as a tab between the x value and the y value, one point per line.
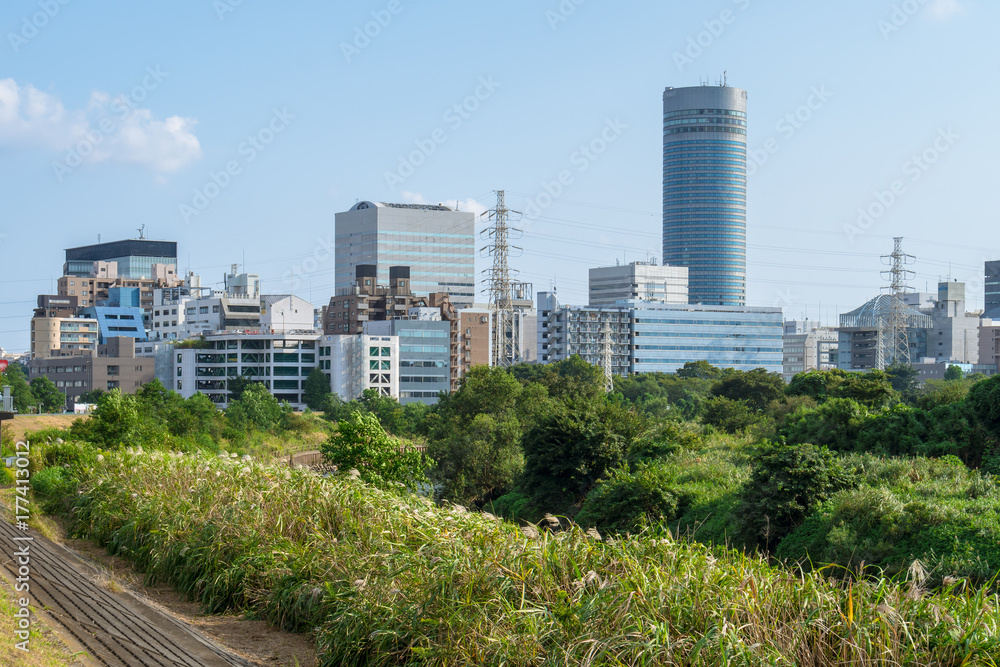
112	371
179	386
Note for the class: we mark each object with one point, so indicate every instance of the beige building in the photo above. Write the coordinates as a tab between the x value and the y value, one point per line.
63	336
474	336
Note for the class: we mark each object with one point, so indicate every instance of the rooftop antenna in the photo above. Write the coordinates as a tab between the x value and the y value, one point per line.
142	232
98	238
725	79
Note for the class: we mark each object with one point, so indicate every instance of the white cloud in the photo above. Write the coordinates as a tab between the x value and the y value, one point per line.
944	9
106	130
463	204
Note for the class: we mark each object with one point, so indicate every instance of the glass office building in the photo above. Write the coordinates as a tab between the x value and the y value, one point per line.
135	257
667	336
704	190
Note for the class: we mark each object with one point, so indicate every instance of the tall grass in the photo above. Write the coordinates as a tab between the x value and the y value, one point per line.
387	579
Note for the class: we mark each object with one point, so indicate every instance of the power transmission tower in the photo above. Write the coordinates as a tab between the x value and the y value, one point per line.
893	342
504	349
606	357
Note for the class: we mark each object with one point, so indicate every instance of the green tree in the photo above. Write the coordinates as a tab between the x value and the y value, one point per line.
756	388
20	390
235	386
872	389
91	396
984	398
731	416
256	409
568	451
786	482
115	421
953	374
479	462
316	389
362	444
45	392
903	378
700	369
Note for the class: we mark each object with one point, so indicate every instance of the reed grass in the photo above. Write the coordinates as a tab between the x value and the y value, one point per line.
390	579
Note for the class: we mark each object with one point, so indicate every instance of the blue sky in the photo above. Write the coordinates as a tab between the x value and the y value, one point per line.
239	129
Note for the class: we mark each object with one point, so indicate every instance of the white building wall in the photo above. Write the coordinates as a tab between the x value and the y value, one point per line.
358	362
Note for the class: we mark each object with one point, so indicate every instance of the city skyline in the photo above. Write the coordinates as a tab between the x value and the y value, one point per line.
250	151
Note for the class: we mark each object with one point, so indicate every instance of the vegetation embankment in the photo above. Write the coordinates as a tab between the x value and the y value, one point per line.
387	577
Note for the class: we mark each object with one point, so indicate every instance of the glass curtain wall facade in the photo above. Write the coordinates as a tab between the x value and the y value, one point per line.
704	190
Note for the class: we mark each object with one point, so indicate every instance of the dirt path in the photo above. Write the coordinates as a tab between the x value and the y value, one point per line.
117	630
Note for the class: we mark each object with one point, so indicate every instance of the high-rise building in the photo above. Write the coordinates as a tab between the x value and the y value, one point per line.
436	242
704	190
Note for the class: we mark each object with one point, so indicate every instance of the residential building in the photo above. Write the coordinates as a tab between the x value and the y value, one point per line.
807	346
356	363
475	331
63	336
191	310
642	281
584	330
704	190
436	242
116	366
989	342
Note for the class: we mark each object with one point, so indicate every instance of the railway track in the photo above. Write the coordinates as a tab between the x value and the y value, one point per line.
114	629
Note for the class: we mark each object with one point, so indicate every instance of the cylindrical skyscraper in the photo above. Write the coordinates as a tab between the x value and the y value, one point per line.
705	190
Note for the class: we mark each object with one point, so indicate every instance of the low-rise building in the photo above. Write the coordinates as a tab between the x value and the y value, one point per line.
808	346
281	361
115	366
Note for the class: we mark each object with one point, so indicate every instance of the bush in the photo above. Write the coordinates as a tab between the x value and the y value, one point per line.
6	476
363	445
833	424
663	440
515	506
786	482
629	501
731	416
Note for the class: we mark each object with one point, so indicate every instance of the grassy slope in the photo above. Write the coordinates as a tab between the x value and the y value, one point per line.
389	579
